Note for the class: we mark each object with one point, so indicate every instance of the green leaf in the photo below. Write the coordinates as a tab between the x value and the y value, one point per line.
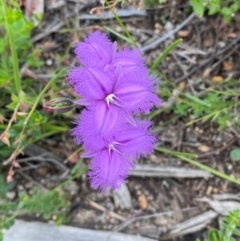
215	235
214	6
1	236
9	223
47	215
198	7
236	232
197	100
227	14
119	35
12	106
235	154
15	98
181	109
165	53
235	7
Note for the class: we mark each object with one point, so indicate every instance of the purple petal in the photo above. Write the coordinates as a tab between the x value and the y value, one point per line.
96	50
97	125
138	94
106	119
90	82
108	170
127	116
131	61
136	140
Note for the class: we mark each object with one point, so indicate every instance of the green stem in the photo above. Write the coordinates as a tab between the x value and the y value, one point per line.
33	109
200	165
41	95
16	71
122	26
165	53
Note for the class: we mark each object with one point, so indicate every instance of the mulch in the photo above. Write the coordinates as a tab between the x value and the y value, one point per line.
157	207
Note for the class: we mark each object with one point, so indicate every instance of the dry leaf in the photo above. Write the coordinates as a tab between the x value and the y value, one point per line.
182	85
16	164
183	33
9	178
217	79
142	201
206	72
228	66
223	207
232	35
42	170
204	148
21	113
5	138
208	43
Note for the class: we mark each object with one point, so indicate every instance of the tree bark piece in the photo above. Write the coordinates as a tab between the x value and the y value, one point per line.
176	172
37	231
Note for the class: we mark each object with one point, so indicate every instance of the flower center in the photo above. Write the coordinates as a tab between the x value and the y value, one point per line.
110	98
112	147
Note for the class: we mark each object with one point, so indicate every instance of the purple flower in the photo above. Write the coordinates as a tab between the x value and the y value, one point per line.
129	141
112	159
114	87
118	95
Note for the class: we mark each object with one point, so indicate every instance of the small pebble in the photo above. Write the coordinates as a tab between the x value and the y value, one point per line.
11	195
229	167
20	188
49	62
168	26
72	188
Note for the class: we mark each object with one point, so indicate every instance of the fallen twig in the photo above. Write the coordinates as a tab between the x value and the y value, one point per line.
177	172
169	34
29	231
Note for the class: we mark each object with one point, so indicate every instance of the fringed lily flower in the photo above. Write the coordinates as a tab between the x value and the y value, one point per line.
113	95
114	87
129	143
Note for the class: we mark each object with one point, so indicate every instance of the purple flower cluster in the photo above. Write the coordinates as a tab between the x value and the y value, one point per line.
115	87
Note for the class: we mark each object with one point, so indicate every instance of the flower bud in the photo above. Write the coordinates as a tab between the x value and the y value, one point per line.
61	104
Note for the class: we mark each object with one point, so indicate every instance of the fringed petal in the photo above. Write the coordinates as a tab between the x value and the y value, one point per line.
136	140
131	61
138	94
108	170
90	82
96	50
98	125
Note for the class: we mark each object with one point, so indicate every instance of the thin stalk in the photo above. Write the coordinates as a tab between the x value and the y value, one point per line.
122	25
200	165
41	95
18	148
124	28
165	53
15	61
